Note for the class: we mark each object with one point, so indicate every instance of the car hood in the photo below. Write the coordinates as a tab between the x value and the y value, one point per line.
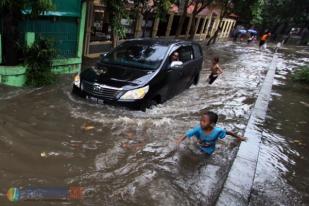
117	76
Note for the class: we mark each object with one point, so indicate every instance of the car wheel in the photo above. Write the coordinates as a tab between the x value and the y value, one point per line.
150	104
78	92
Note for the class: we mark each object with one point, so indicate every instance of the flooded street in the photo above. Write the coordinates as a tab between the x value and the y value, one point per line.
120	157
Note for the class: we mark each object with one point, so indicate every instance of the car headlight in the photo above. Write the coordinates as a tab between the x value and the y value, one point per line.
76	81
135	93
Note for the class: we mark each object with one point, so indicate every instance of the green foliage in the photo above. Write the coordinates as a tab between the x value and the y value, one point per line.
290	12
302	74
37	7
269	13
162	7
117	11
257	12
159	7
10	15
38	60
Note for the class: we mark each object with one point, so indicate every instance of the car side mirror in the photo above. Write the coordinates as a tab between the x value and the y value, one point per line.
176	65
103	54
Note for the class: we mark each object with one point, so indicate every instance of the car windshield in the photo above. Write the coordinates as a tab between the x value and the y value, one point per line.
138	55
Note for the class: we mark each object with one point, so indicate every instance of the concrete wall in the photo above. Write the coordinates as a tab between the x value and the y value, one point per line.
15	75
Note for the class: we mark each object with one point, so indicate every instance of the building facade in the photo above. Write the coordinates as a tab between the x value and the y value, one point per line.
98	30
81	28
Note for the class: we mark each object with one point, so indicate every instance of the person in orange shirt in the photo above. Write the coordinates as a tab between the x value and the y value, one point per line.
264	39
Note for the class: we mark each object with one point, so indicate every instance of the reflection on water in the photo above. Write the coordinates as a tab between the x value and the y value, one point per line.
283	168
50	138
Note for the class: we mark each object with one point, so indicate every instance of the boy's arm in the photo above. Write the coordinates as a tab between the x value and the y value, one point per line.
178	141
189	134
239	138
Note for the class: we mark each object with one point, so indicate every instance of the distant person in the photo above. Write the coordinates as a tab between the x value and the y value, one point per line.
207	134
251	35
250	38
263	39
215	70
278	46
304	36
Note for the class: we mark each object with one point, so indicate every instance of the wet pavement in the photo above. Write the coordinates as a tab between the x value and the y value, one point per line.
50	138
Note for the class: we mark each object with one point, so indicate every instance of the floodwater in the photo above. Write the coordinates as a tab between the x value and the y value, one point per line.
282	176
50	138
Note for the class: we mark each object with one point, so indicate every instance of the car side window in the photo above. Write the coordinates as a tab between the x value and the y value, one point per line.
185	53
197	51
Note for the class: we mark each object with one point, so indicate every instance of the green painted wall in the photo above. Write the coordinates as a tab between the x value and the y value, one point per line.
63	32
68	33
68	8
29	38
0	49
15	75
70	40
12	75
81	34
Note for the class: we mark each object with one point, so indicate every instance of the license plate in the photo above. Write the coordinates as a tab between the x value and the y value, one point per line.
94	99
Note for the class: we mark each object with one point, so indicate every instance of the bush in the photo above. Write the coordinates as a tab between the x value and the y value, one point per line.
38	60
301	74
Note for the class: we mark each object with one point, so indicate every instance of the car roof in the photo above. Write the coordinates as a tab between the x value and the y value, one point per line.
161	41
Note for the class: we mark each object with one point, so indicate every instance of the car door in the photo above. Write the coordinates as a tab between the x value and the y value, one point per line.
198	62
174	76
186	55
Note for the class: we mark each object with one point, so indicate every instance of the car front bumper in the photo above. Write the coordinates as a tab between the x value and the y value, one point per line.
131	104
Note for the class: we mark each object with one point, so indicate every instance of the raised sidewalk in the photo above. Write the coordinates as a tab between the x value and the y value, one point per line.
237	187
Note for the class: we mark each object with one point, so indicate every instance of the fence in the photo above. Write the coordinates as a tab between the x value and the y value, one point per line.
63	31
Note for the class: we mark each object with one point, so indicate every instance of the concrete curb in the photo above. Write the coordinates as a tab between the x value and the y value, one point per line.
237	187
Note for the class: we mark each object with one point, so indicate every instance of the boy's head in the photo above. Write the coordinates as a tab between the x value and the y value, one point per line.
215	60
208	119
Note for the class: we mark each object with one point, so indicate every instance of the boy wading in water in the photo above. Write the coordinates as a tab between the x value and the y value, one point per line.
207	133
215	70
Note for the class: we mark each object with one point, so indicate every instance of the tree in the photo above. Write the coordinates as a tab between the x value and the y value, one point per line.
11	14
226	9
256	11
184	7
116	11
290	13
249	11
199	5
146	8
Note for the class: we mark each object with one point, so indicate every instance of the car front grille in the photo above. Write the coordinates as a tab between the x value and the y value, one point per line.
99	90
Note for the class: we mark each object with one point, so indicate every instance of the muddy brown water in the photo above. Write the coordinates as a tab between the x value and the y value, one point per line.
50	138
